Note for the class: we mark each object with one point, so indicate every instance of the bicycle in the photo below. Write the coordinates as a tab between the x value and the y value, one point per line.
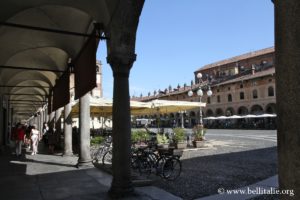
107	158
165	163
169	164
102	150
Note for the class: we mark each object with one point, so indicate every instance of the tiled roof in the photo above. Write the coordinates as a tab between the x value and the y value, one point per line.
258	74
238	58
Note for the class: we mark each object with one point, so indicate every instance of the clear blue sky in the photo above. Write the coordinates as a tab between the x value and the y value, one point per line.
177	37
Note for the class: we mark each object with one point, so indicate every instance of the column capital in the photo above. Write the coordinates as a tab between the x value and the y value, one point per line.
121	63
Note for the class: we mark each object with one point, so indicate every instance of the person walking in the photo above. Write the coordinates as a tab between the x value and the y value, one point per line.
20	138
35	138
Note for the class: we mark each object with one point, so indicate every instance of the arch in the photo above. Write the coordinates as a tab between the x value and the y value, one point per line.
270	108
40	57
257	109
219	99
229	111
229	98
271	92
254	94
243	110
219	112
242	95
209	113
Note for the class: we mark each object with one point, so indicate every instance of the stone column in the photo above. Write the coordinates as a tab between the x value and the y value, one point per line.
121	55
121	183
46	116
51	120
58	131
1	122
58	119
68	130
42	121
287	65
84	132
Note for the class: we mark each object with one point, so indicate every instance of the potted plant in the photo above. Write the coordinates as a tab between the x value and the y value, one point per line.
139	137
199	136
179	138
162	140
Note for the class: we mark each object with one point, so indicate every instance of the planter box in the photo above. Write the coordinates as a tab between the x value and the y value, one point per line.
198	144
163	146
180	145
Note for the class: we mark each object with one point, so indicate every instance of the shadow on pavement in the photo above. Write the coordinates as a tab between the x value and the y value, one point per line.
202	176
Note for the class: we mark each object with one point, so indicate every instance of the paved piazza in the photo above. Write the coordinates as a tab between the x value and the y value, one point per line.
231	159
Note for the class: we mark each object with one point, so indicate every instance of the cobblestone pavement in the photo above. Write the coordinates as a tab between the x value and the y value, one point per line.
231	159
55	177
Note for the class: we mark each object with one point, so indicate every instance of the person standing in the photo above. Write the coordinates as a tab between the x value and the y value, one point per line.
45	133
20	138
35	138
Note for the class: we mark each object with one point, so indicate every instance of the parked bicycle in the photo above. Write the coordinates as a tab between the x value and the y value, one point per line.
163	162
98	155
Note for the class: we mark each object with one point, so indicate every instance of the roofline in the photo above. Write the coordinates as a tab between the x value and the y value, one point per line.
238	58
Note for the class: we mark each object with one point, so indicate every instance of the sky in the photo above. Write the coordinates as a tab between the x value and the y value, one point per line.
175	38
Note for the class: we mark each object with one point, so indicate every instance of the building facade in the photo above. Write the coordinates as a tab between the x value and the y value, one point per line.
240	85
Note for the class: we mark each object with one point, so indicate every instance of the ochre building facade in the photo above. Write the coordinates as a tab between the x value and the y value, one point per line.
241	85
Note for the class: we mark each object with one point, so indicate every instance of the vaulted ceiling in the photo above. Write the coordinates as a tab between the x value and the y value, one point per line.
31	60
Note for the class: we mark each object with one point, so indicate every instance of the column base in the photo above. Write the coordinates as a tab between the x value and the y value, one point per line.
118	191
84	164
68	154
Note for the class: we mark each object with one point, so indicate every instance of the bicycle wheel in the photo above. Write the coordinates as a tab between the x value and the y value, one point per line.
107	158
98	155
159	166
152	158
171	169
144	167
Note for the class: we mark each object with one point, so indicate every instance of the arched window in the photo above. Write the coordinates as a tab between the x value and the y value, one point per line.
242	95
270	91
229	98
208	100
254	94
218	98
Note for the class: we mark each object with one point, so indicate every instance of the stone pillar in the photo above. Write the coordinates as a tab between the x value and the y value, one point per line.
58	131
1	122
84	131
42	121
121	55
51	120
121	132
68	130
58	119
46	116
287	63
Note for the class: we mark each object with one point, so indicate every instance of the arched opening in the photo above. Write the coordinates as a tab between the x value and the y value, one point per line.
271	108
254	94
229	111
219	112
243	111
242	95
257	110
209	113
229	98
271	91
